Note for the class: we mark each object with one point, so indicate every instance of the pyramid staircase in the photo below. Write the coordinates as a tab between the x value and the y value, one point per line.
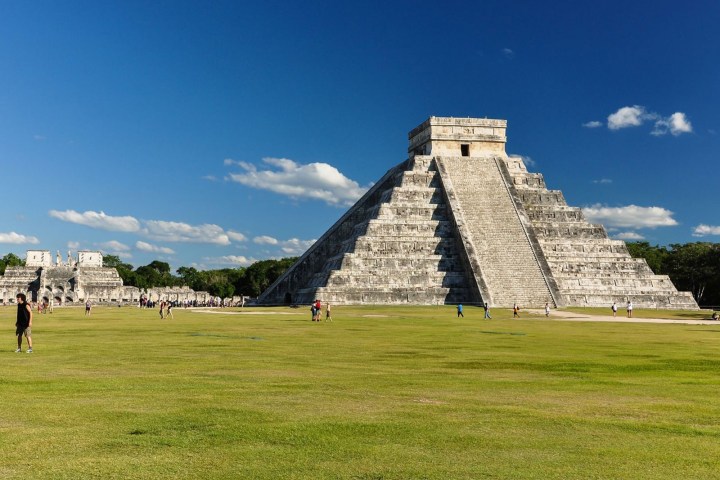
511	265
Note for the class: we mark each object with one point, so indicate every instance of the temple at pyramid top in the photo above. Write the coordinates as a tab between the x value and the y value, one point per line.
465	137
459	221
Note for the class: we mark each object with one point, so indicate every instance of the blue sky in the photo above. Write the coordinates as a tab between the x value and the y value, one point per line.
215	134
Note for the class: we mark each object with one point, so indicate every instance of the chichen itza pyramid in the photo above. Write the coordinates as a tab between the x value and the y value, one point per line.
461	222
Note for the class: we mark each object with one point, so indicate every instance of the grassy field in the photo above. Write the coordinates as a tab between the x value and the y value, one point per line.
379	393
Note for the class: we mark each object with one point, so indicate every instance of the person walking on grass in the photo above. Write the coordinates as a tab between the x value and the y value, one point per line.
547	309
88	307
328	317
614	309
516	310
487	311
459	311
629	309
168	312
23	324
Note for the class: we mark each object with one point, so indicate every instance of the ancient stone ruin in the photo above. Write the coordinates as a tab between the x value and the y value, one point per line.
84	278
461	222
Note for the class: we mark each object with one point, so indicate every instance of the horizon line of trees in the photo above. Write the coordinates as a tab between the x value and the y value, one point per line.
225	282
693	267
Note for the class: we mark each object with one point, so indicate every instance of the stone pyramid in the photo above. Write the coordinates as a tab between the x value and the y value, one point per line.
461	222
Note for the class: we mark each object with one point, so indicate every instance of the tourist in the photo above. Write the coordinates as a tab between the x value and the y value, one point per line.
547	309
487	311
318	310
516	310
23	324
168	312
459	311
328	317
614	309
88	306
715	316
312	310
162	310
629	309
51	305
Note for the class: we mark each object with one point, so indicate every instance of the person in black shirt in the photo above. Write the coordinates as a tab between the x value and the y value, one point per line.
23	324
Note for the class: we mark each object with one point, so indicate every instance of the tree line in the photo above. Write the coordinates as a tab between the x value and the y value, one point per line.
692	267
249	281
225	282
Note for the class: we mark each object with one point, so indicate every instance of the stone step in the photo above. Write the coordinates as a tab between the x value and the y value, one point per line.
412	279
547	231
541	197
424	179
676	300
397	296
509	267
427	263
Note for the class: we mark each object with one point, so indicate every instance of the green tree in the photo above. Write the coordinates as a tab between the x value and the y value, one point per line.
654	256
10	260
695	267
260	275
125	270
190	277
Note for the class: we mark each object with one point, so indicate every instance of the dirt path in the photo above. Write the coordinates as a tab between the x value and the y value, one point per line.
621	318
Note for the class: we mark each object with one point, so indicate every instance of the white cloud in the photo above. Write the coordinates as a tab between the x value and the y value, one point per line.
211	178
592	124
319	181
98	220
603	181
629	236
630	216
147	247
295	246
156	229
627	117
508	53
73	245
238	260
265	240
114	246
236	236
17	238
676	124
182	232
704	230
679	124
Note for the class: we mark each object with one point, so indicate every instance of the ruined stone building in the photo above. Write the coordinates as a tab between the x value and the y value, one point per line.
461	222
84	278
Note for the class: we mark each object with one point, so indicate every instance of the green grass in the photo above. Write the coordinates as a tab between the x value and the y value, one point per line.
379	393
